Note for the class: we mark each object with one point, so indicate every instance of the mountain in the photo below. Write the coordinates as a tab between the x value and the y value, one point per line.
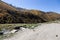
12	14
5	6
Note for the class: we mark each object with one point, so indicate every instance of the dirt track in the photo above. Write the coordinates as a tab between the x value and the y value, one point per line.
42	32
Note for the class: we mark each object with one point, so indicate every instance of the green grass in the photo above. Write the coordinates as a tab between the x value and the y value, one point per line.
11	26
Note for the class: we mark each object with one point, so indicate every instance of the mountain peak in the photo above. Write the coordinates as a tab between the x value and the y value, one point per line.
0	0
4	5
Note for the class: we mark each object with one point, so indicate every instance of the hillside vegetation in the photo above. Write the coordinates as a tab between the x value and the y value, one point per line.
11	14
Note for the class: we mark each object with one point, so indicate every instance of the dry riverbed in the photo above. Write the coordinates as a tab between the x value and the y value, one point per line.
46	31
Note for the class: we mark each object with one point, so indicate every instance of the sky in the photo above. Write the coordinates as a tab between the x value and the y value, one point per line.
43	5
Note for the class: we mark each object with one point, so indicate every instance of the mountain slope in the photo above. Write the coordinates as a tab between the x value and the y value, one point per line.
11	14
4	5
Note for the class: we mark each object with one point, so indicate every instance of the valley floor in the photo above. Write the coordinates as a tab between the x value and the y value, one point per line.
46	31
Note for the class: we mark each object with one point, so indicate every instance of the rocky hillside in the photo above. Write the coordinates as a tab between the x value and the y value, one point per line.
10	14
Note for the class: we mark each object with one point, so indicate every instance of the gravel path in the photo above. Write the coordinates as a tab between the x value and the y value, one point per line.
42	32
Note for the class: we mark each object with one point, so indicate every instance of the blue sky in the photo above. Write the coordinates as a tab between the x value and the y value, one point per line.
44	5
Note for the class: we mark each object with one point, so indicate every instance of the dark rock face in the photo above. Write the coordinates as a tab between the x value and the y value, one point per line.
1	33
17	28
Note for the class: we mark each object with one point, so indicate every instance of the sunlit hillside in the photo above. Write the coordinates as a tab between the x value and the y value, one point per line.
11	14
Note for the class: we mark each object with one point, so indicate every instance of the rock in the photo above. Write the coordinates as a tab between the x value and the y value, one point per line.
13	31
1	33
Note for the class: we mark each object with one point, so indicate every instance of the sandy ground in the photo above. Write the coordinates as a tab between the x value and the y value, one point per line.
42	32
